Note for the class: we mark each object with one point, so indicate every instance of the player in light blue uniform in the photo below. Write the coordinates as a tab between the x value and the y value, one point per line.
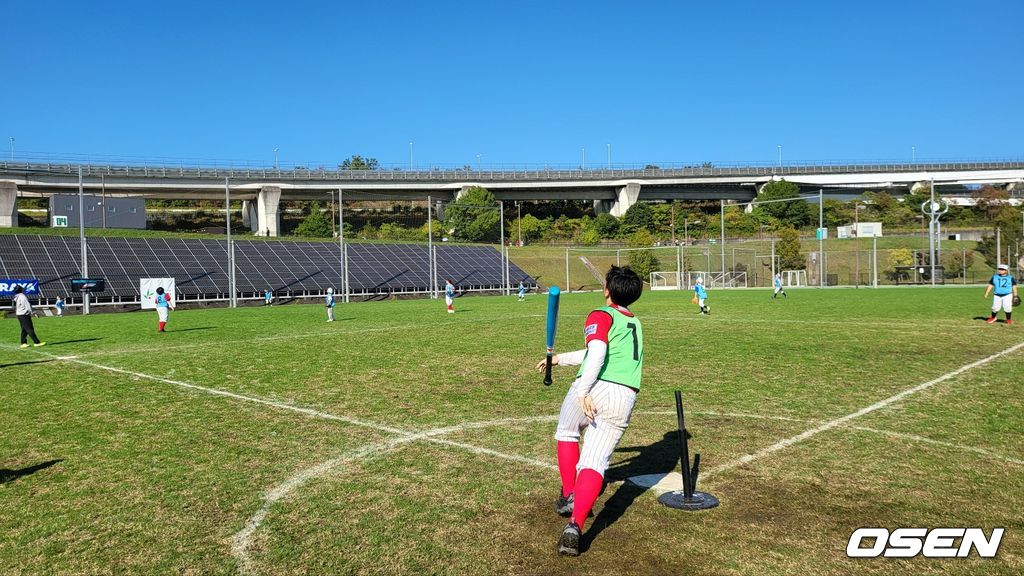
1004	290
268	297
778	287
449	295
329	302
702	296
59	304
522	292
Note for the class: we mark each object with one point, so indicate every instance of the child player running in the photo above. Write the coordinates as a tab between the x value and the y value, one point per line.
777	281
702	296
600	400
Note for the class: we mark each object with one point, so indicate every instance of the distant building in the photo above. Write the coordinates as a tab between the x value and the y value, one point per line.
99	212
860	230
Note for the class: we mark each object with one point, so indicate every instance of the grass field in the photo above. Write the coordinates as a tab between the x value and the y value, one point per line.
403	440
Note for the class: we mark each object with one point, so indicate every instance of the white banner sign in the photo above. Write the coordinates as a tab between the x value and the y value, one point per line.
147	291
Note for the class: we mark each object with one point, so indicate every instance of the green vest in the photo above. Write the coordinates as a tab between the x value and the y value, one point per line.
625	358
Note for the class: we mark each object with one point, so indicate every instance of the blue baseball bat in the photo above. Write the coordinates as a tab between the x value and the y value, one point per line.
553	295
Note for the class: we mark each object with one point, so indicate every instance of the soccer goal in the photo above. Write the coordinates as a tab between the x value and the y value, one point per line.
717	279
666	280
794	277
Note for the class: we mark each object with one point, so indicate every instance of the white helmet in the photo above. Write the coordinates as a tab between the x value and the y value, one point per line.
700	280
330	290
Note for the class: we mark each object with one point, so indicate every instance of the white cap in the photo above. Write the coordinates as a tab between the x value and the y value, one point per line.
330	290
700	280
1004	267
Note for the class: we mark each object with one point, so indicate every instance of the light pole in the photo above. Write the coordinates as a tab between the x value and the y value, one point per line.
12	148
913	154
780	155
583	158
276	165
410	155
478	156
856	232
519	220
609	156
81	238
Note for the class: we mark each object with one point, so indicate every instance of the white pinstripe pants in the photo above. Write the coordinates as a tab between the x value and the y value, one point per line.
614	406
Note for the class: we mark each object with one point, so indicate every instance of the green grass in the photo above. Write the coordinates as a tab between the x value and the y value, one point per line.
154	477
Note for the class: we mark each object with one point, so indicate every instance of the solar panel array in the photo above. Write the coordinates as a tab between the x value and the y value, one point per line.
200	267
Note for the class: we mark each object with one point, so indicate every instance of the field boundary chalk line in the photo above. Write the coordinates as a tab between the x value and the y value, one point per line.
314	334
837	422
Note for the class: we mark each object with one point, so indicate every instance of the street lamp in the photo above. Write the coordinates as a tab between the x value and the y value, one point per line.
780	154
583	158
410	155
478	156
913	154
519	219
609	156
276	165
12	148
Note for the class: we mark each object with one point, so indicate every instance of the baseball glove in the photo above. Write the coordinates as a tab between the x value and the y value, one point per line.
1016	301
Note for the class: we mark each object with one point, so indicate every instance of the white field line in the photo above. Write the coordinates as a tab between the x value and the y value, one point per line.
906	326
241	542
314	334
924	440
787	442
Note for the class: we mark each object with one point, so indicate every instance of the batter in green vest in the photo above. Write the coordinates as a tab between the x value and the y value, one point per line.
599	401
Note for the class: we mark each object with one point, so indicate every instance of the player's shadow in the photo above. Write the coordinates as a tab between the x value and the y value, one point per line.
62	342
197	328
25	363
8	475
661	457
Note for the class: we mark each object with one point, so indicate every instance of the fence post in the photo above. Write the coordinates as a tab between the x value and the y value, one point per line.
965	265
874	260
567	287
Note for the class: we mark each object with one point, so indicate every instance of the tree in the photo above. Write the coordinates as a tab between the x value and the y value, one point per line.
897	258
316	225
607	226
638	216
788	250
643	262
796	213
474	216
532	228
357	162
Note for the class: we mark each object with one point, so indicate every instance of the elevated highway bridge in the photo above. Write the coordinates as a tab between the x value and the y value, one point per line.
611	190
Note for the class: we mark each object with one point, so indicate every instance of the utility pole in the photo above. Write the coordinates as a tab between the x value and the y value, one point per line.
821	238
230	247
722	210
81	239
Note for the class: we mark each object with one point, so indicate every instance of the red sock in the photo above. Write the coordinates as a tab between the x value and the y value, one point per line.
162	326
588	488
568	458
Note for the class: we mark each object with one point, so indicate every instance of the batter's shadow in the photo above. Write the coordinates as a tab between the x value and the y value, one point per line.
661	457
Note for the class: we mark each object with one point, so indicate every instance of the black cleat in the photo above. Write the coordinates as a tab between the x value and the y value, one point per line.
564	505
569	541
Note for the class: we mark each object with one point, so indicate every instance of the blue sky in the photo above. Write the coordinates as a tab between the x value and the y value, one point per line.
516	82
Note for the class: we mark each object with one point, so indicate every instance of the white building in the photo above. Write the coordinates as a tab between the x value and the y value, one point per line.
861	230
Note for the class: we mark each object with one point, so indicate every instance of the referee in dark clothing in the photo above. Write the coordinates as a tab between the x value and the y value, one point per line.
23	310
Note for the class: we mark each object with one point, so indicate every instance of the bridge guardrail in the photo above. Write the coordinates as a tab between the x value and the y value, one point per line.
236	173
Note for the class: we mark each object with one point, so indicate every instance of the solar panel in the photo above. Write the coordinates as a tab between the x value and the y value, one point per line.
288	268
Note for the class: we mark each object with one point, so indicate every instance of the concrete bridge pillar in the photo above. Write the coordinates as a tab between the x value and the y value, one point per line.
626	196
268	217
602	207
250	219
8	204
